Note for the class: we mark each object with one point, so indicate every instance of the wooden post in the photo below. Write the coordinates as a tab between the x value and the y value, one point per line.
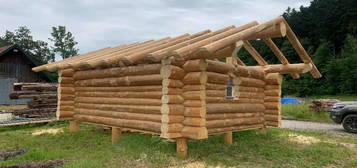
116	134
228	138
181	147
73	126
262	130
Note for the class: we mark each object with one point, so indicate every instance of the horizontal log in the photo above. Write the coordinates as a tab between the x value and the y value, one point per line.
66	103
234	128
66	97
193	103
219	67
194	95
230	116
123	101
121	115
150	95
272	98
65	80
143	69
172	91
66	90
136	124
249	72
199	112
168	135
66	108
172	72
139	80
268	87
273	92
195	132
194	122
172	109
123	108
66	84
249	89
251	82
66	73
40	87
121	89
253	95
270	117
66	114
195	78
233	122
172	99
272	123
64	118
212	86
32	96
217	78
288	68
193	87
170	128
269	111
197	65
237	100
234	108
273	79
172	83
216	93
272	105
165	118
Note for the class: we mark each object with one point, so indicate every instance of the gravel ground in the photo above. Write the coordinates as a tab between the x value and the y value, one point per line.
316	126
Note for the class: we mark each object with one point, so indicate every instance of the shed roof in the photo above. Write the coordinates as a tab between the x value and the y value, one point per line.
205	44
6	49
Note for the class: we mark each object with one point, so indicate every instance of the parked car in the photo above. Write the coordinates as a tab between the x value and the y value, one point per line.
345	113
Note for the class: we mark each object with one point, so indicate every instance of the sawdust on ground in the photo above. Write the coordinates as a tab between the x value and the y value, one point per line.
48	131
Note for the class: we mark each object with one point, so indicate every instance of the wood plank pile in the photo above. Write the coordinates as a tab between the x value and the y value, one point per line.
320	105
43	97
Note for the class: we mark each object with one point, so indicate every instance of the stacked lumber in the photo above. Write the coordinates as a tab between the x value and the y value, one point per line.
272	99
172	110
43	97
127	97
319	105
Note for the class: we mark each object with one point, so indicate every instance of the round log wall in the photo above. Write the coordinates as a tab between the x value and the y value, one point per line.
128	97
65	91
245	110
272	100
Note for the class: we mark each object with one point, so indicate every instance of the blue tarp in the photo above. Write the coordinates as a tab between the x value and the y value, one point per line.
289	100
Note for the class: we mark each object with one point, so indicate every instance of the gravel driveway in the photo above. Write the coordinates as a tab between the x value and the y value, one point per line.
316	126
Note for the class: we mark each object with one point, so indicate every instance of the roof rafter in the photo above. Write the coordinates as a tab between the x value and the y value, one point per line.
254	53
270	43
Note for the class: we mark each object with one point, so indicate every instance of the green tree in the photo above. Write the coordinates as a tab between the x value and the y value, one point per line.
22	37
63	41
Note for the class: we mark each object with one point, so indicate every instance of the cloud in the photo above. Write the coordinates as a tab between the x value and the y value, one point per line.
98	24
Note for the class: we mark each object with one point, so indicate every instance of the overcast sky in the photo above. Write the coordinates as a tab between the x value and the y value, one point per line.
97	24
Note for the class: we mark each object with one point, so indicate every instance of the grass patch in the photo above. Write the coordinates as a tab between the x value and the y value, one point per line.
302	111
91	147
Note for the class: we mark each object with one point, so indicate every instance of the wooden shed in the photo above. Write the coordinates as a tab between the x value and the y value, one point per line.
176	87
15	66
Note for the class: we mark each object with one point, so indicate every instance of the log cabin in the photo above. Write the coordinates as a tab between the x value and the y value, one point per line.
176	88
